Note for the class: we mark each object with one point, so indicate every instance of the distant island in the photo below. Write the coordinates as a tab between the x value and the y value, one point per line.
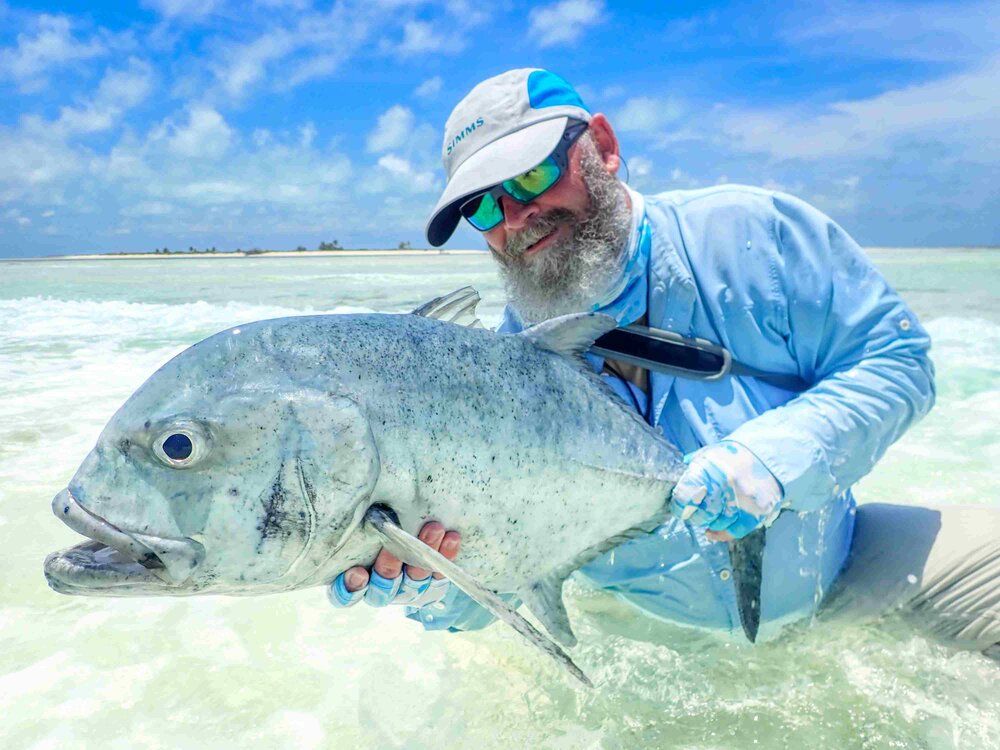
324	247
328	249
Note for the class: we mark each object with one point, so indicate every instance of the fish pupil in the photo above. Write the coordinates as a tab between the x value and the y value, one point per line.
177	447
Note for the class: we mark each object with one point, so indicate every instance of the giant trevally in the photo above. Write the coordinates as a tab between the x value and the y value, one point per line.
275	455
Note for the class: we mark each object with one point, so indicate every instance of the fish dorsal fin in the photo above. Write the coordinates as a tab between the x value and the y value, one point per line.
570	335
457	307
544	600
412	551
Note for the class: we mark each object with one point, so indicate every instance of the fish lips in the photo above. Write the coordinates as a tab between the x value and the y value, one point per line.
117	560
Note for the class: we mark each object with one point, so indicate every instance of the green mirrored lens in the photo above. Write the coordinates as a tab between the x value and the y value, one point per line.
484	214
528	186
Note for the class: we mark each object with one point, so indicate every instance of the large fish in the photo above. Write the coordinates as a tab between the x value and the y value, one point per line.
276	455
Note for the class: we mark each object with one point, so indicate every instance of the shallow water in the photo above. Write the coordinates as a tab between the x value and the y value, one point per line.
77	337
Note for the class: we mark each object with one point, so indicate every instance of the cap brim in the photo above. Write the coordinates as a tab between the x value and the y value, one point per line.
504	158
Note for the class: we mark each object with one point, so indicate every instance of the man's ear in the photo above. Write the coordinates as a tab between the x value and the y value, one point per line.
606	141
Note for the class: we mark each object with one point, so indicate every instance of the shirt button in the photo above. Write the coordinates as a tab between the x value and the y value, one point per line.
905	324
725	575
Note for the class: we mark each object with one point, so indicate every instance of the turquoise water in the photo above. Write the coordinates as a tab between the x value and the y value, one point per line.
287	671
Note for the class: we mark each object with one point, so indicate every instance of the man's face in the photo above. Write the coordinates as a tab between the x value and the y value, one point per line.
568	200
560	253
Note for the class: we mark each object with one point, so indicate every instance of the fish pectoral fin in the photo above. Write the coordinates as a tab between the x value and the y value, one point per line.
411	550
544	600
457	307
570	335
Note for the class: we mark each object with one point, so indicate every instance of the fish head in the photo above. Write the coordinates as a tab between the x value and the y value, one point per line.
221	474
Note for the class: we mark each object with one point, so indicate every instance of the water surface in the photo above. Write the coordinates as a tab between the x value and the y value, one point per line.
288	671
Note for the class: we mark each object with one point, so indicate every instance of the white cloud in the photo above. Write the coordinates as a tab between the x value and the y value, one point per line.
564	22
645	114
308	46
245	65
50	45
394	127
925	31
962	109
149	208
468	14
412	179
639	166
429	88
126	87
119	90
307	134
33	160
206	135
420	37
15	216
183	9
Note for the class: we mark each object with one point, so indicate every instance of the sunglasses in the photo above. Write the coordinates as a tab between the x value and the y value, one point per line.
484	212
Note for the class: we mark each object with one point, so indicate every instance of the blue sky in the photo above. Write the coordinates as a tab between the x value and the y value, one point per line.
284	122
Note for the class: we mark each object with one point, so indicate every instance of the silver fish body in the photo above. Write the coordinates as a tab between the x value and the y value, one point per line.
295	427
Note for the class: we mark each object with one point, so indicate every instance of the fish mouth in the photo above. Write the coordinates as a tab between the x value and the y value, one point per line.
115	561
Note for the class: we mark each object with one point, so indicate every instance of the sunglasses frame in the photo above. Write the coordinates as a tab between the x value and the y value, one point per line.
560	155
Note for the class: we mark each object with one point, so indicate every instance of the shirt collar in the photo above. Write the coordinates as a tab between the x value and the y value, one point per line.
626	297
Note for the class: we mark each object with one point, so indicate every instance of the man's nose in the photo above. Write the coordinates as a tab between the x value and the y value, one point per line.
517	215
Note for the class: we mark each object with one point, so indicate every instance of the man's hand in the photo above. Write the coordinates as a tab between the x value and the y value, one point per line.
727	490
391	582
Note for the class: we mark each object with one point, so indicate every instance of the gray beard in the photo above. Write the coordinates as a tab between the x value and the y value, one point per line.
571	275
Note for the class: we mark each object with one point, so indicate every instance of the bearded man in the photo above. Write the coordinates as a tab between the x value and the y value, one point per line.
792	297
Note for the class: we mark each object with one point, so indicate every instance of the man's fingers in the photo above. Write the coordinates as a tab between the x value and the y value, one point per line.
431	534
449	547
387	565
355	578
719	536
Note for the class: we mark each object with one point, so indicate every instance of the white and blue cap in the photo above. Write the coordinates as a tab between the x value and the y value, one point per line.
506	125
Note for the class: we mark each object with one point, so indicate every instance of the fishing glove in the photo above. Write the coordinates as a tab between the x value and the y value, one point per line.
383	591
726	488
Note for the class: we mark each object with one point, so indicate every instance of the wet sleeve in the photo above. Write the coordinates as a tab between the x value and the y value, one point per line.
854	338
456	612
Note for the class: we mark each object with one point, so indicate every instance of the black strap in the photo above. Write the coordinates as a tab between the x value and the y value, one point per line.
673	354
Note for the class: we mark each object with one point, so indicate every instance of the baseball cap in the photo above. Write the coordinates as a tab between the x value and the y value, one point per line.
506	125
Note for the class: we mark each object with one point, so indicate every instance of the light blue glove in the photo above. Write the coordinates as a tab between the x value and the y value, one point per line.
726	488
380	591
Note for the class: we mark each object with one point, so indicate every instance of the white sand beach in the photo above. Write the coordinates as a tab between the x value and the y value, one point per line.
265	254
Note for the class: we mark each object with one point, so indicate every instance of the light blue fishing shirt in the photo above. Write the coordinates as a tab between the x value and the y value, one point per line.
786	290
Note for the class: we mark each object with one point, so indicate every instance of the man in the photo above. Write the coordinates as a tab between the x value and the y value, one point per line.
786	291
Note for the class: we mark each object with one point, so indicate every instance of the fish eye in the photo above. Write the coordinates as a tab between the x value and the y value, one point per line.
180	447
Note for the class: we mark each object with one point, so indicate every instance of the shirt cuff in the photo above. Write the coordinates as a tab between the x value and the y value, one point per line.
795	459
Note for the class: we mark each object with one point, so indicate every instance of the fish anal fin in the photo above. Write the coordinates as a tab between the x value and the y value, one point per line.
544	600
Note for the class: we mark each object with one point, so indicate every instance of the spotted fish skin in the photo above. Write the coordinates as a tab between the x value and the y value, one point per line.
309	421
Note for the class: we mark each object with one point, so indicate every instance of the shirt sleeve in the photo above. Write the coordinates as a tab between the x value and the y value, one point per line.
854	338
457	612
